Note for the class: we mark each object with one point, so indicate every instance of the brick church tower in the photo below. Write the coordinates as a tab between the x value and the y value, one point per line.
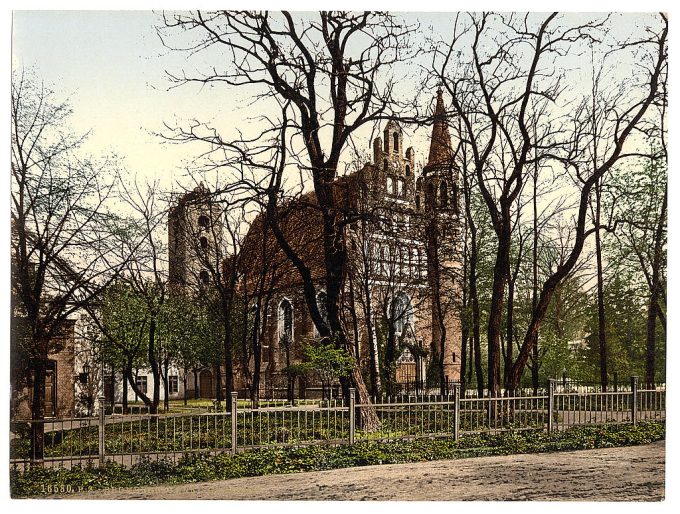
195	234
438	187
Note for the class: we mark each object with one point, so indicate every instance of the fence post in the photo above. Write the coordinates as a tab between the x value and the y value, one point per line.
352	415
456	410
551	403
634	391
234	422
102	421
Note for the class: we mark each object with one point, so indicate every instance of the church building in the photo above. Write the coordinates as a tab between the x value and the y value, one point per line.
401	294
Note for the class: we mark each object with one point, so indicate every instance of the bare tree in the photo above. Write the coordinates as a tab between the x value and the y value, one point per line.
133	322
504	92
61	259
325	72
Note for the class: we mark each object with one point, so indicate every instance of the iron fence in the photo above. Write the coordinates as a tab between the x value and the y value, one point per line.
409	417
242	424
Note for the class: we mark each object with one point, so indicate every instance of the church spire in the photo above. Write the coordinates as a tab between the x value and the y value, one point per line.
441	152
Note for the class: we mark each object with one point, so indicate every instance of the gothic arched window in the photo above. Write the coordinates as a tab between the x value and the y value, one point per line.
395	139
203	221
204	243
401	312
443	195
322	303
285	320
431	198
384	260
408	170
384	164
400	187
419	190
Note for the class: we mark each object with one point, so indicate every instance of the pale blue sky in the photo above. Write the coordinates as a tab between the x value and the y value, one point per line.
112	65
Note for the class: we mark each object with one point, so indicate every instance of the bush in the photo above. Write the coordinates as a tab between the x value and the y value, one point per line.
197	467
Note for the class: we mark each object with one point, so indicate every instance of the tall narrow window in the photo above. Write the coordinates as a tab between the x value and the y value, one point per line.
401	313
384	164
173	384
443	195
390	186
142	383
322	303
400	187
395	139
286	320
408	170
203	221
431	198
204	243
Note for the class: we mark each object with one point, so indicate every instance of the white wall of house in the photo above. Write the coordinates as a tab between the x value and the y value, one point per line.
145	381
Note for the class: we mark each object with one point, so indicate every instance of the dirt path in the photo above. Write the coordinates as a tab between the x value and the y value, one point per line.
631	473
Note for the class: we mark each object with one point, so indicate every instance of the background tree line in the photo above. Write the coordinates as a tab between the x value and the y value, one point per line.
564	198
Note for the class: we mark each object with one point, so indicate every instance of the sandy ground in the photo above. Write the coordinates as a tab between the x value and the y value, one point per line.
625	474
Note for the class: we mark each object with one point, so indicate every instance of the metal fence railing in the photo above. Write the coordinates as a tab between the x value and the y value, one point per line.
240	424
409	417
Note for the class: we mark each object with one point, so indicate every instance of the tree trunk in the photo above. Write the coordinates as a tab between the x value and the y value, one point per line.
442	353
374	358
166	393
257	357
495	315
509	333
217	369
390	358
38	412
125	394
138	392
601	325
155	373
228	360
474	297
186	391
355	320
535	365
367	417
654	310
465	328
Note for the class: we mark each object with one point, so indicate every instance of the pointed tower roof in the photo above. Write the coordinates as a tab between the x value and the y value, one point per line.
441	152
